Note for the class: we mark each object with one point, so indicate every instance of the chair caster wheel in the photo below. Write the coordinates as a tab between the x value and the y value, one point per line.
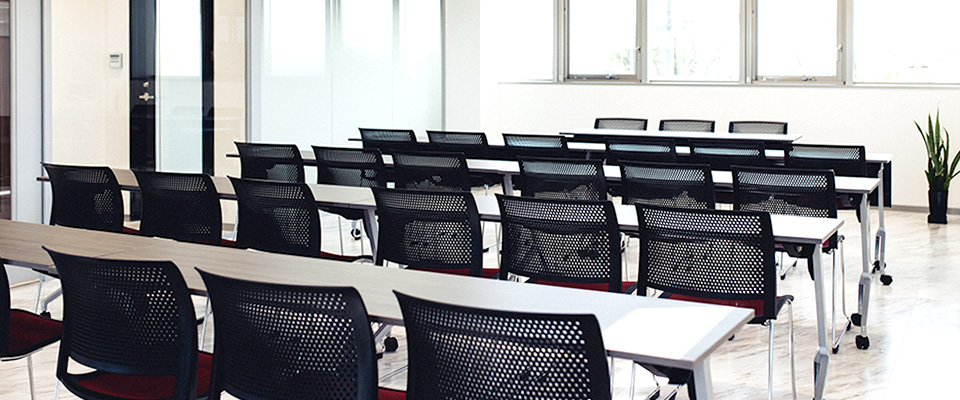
863	342
876	267
391	344
655	395
783	277
836	349
355	233
45	314
855	318
886	280
849	326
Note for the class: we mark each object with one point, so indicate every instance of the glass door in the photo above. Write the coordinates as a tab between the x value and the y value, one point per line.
179	94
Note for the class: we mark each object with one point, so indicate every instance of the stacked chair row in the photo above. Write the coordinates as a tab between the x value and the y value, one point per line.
691	125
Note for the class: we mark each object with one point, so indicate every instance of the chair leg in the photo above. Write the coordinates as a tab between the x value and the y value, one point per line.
36	303
793	364
770	360
206	317
340	232
633	379
56	390
33	389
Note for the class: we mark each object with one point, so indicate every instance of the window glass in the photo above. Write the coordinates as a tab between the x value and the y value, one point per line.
897	42
602	37
796	38
693	40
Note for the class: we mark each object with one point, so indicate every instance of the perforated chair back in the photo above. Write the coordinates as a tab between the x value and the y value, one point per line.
669	185
844	160
807	193
272	162
126	317
290	342
563	179
437	231
758	127
636	124
431	171
179	206
641	149
471	144
468	353
279	217
389	140
85	197
350	167
722	154
561	242
687	125
536	145
714	256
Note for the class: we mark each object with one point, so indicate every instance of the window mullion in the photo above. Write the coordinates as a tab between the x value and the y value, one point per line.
845	38
642	44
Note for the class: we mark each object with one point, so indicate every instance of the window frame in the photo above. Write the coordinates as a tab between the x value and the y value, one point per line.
563	38
751	41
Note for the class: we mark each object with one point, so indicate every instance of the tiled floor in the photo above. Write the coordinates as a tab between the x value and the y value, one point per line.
912	324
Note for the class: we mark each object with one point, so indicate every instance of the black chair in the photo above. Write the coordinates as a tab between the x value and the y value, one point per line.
721	154
460	352
471	144
758	127
669	185
349	167
431	231
844	160
85	197
636	124
280	217
431	171
180	206
133	323
389	140
713	256
687	125
570	243
272	162
548	178
23	333
641	149
291	342
536	145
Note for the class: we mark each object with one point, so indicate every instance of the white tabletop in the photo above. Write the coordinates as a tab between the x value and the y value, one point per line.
766	137
695	329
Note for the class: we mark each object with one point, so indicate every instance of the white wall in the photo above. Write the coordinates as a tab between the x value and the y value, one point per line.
879	117
90	115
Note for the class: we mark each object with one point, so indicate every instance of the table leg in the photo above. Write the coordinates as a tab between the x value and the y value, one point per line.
880	246
822	357
702	380
370	224
508	184
863	294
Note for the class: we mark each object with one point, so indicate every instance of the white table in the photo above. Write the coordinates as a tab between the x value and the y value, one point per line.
696	330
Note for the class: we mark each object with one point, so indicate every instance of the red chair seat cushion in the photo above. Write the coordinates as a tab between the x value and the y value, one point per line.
140	387
601	287
29	332
390	394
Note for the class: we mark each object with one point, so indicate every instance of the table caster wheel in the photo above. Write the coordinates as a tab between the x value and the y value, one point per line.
863	342
855	318
355	233
391	344
886	280
836	349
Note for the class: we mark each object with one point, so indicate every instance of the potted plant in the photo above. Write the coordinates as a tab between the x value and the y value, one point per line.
940	168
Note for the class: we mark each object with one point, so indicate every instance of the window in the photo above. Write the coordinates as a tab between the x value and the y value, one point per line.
602	39
797	40
896	42
693	40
